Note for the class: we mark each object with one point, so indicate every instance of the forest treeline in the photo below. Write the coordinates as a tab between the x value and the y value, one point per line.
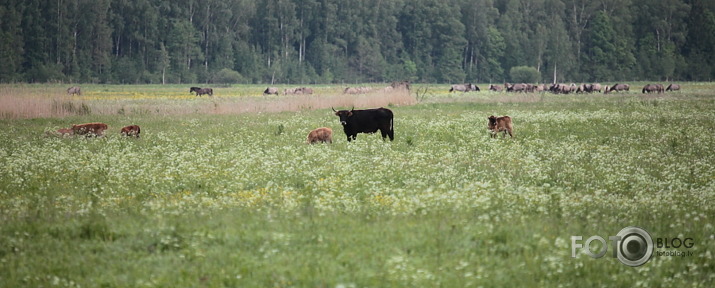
348	41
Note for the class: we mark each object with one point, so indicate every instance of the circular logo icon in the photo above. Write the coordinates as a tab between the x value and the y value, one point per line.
635	246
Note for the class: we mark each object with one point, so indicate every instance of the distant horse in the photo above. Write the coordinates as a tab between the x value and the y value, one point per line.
201	91
74	90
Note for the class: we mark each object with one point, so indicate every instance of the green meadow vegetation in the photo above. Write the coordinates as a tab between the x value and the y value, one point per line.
235	198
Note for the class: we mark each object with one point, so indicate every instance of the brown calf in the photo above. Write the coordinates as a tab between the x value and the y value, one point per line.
323	134
60	132
499	124
131	130
65	131
89	129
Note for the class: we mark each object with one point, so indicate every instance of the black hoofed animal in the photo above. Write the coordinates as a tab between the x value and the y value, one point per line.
201	91
366	121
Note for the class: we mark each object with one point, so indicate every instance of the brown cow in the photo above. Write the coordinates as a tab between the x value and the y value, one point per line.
89	129
499	124
131	130
323	134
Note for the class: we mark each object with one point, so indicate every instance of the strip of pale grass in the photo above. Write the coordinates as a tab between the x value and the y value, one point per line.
31	101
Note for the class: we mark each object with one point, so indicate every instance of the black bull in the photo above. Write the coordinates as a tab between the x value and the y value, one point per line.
366	121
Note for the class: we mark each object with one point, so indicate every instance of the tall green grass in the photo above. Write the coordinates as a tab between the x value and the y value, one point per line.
242	201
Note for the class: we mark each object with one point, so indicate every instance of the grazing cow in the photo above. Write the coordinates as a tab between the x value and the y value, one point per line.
131	130
270	90
620	87
320	135
673	87
366	121
74	90
495	88
499	124
593	88
89	129
194	89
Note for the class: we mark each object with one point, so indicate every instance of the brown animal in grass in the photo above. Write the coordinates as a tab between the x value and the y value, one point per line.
89	129
131	130
500	124
320	135
60	132
65	131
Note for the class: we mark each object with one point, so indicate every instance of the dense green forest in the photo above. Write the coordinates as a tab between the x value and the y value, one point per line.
348	41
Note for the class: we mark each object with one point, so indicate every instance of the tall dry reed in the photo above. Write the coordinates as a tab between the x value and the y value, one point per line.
26	101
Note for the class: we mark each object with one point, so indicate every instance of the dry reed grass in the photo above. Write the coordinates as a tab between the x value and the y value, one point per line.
23	101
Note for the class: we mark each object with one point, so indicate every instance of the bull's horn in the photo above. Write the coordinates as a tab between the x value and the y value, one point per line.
352	109
331	107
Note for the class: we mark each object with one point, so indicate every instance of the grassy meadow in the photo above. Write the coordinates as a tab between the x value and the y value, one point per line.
223	191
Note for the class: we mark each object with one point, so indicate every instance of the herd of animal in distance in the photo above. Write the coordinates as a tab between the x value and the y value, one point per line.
371	120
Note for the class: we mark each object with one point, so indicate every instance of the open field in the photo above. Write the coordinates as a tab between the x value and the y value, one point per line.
237	199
